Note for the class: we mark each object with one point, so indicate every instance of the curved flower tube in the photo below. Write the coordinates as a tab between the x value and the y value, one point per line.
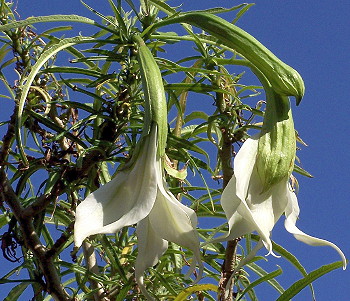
248	209
140	195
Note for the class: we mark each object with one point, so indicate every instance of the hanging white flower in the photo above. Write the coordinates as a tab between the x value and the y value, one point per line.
140	195
248	208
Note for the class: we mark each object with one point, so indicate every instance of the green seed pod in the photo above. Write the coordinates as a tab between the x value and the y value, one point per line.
155	101
283	78
277	143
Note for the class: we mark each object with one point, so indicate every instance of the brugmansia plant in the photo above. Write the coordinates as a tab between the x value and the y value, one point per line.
96	202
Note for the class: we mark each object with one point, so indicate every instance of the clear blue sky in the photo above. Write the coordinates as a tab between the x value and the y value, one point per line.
313	37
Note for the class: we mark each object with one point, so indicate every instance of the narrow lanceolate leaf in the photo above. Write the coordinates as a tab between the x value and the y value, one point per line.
16	292
83	271
163	7
60	132
295	288
113	257
196	288
45	56
302	171
124	291
262	279
45	19
262	273
195	87
290	257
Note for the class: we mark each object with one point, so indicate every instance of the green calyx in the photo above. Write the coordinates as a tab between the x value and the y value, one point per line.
277	143
155	101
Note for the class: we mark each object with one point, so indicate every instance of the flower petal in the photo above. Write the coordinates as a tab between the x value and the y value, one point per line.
292	213
246	207
244	164
176	222
236	191
150	248
124	201
230	203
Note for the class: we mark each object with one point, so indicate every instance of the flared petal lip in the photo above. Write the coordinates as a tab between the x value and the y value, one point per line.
179	226
119	203
292	213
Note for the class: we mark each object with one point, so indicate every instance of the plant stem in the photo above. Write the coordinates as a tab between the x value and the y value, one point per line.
92	266
223	104
230	253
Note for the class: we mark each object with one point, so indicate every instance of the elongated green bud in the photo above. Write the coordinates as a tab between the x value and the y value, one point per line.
277	143
155	101
283	78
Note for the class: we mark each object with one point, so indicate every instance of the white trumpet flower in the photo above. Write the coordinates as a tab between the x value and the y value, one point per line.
249	209
140	196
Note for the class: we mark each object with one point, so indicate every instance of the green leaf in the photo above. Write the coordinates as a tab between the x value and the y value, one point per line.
5	96
45	56
302	171
3	51
242	12
196	115
163	280
163	7
113	256
196	288
195	87
133	7
45	19
180	142
262	279
290	257
296	287
219	10
262	273
121	23
108	20
83	271
75	70
61	132
4	219
124	292
16	292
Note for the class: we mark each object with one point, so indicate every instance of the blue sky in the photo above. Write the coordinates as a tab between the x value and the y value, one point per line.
313	37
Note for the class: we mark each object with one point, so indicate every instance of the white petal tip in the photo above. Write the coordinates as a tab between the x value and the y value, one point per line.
345	263
273	254
140	283
78	243
191	271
